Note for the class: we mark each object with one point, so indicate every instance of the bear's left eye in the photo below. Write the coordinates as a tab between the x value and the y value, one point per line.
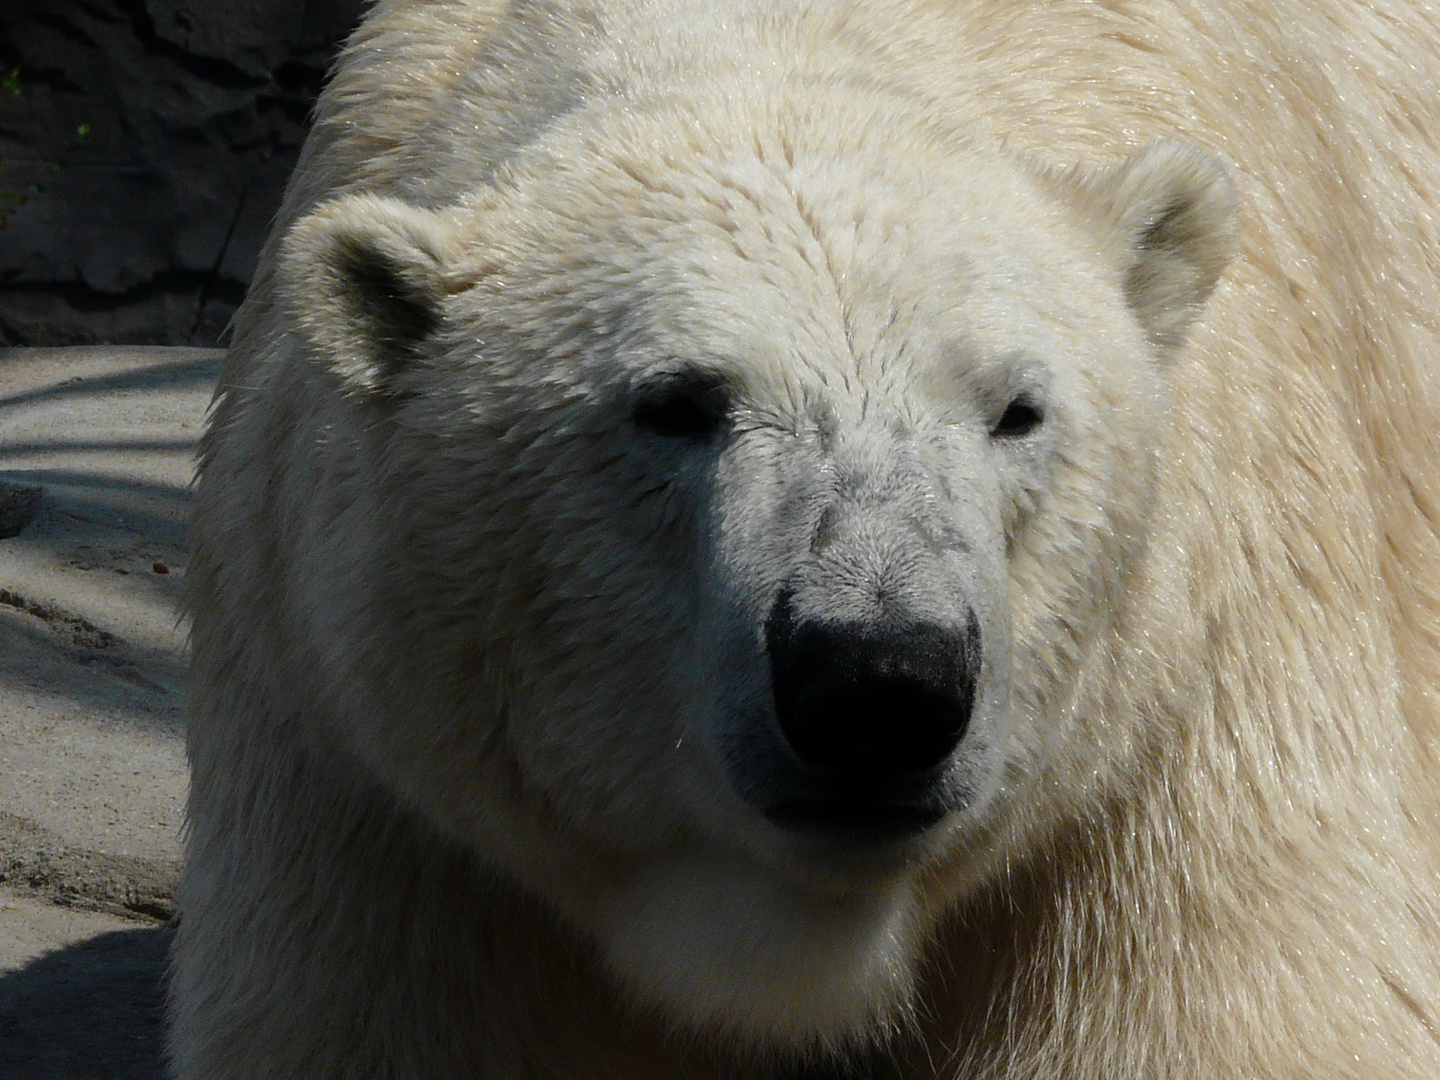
690	405
1020	418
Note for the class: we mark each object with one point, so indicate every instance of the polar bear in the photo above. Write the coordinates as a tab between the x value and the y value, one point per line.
886	539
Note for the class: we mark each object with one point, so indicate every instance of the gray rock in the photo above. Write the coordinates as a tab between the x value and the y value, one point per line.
255	37
19	506
144	147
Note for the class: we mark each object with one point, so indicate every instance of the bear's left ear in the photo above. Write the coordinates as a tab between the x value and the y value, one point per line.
363	278
1172	209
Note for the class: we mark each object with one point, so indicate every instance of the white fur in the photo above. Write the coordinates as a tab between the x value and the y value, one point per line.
471	654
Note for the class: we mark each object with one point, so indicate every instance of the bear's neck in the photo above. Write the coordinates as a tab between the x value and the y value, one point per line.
347	882
421	932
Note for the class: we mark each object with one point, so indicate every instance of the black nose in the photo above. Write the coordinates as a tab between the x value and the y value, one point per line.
865	702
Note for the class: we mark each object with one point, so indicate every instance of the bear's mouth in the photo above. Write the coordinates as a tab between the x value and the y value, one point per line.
855	818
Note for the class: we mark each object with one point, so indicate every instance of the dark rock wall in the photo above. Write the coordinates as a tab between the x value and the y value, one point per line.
144	146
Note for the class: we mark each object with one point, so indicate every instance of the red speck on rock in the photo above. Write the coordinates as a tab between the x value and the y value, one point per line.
160	568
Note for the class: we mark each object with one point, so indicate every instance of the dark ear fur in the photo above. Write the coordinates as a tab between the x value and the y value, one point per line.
1173	210
363	277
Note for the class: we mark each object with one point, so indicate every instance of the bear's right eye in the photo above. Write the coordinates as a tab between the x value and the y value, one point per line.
690	406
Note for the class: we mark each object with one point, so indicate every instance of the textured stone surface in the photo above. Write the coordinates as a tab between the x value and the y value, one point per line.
92	647
92	658
144	147
19	506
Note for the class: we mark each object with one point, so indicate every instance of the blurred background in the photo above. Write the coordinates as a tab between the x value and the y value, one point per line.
144	147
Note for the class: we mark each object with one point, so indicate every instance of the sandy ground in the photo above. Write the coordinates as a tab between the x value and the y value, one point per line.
92	660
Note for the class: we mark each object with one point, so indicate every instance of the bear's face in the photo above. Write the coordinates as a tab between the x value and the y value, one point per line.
741	512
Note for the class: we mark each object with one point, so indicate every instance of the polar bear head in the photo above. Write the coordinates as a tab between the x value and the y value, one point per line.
727	511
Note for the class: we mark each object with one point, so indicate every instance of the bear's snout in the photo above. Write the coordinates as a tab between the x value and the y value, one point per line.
872	711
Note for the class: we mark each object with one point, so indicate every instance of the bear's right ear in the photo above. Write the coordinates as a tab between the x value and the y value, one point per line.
363	279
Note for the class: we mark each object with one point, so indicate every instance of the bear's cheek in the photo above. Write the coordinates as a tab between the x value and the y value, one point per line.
620	671
553	636
1070	571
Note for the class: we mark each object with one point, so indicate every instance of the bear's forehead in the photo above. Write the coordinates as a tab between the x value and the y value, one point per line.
756	256
895	195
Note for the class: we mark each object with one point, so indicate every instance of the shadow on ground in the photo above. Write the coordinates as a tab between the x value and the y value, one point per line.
92	1011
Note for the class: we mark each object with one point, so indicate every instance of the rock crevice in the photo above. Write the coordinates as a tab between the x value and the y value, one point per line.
144	148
